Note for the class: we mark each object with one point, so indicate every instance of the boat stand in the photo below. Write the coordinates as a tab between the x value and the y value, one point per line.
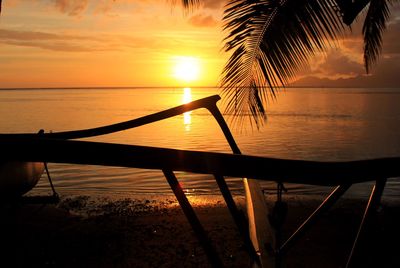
334	196
372	205
331	200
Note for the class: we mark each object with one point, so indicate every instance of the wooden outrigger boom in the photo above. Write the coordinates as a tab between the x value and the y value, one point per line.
260	168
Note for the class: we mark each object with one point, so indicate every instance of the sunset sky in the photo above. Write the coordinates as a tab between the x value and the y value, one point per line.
88	43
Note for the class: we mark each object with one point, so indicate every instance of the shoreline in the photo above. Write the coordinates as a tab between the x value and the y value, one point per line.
84	231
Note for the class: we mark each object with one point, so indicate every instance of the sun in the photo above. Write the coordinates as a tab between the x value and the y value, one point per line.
187	68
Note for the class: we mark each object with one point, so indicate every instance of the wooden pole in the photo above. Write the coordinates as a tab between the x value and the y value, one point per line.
333	197
373	202
193	220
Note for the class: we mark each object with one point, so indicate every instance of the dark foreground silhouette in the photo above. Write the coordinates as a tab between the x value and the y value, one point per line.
84	232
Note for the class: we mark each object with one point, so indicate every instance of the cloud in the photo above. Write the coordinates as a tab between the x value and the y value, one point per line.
73	43
210	4
202	20
49	41
213	4
111	7
346	60
388	69
334	64
55	46
391	41
338	64
71	7
33	35
384	74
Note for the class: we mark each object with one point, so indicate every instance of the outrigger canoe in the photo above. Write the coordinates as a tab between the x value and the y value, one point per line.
18	178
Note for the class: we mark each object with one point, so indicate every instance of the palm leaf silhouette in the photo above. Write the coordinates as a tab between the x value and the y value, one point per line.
270	40
374	25
189	3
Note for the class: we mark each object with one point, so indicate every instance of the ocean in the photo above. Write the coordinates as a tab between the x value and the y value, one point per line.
329	124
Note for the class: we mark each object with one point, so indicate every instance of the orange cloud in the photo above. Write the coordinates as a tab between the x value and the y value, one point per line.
49	41
201	20
74	43
383	75
338	64
213	4
71	7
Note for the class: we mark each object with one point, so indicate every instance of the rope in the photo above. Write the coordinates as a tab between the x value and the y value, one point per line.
277	218
55	194
280	188
279	211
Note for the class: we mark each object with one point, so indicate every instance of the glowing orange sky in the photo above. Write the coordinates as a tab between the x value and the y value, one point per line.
73	43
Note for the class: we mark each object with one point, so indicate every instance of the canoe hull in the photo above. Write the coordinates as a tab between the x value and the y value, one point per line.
17	178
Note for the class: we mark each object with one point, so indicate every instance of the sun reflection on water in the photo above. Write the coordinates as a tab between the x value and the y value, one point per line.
187	117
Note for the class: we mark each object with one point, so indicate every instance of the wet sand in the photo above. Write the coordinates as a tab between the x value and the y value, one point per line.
84	231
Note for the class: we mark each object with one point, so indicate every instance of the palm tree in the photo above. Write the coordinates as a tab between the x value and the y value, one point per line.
272	39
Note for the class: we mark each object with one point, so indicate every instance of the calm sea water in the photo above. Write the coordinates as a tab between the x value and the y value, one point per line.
303	123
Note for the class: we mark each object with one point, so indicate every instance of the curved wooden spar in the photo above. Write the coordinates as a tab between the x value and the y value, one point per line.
38	149
103	130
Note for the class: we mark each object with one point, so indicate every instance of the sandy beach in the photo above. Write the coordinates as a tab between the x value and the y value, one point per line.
83	231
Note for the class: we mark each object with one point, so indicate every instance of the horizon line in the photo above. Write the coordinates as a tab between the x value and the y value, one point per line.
167	87
105	87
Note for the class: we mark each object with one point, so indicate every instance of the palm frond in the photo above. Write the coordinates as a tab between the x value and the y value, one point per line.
190	3
374	25
271	40
350	9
